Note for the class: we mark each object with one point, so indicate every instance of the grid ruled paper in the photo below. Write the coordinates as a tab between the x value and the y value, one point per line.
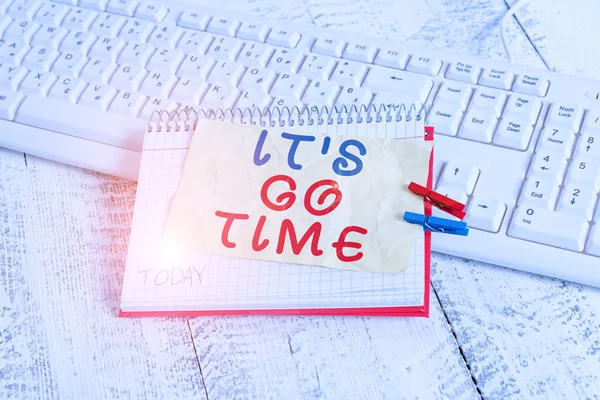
157	279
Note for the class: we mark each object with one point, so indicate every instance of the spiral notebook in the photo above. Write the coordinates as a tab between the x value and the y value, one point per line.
194	284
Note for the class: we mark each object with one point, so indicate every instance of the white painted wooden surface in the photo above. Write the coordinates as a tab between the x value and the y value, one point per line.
494	333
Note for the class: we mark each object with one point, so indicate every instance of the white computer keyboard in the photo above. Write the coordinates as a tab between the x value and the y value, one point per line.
79	80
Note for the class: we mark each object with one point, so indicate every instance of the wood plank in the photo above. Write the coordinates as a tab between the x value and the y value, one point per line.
63	242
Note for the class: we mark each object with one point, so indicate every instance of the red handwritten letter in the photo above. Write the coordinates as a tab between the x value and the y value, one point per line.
289	197
341	244
314	231
259	227
333	190
230	218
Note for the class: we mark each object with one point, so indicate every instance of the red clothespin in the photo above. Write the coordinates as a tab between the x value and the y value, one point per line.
442	202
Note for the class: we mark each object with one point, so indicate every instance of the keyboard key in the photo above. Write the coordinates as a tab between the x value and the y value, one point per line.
37	82
329	47
151	12
79	19
108	25
194	20
136	31
223	26
286	61
166	34
553	228
592	120
226	72
78	41
128	103
196	65
9	103
488	99
11	76
317	67
513	133
320	93
464	72
88	123
253	99
98	95
99	5
360	52
107	47
578	199
568	115
497	78
258	78
461	176
396	99
226	49
128	77
557	139
593	244
453	193
40	57
13	51
195	42
51	14
479	125
392	58
255	54
157	104
529	84
69	64
250	31
485	213
588	144
189	90
548	165
67	88
454	93
158	83
349	73
445	118
424	65
220	96
136	53
284	37
290	85
50	36
122	7
351	96
586	171
24	8
166	60
524	106
388	79
540	191
282	102
21	29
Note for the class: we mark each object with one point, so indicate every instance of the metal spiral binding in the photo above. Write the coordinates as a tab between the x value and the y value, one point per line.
185	119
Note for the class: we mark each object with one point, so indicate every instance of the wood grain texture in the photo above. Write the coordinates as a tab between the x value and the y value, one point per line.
63	241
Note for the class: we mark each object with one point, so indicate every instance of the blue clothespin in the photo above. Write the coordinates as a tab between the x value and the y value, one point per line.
436	224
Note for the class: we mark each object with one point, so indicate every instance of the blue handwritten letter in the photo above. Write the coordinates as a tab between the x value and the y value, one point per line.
296	141
341	162
261	142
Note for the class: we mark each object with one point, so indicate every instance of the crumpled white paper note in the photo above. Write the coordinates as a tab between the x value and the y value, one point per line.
288	196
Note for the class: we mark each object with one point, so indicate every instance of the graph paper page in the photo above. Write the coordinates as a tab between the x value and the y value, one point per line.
159	279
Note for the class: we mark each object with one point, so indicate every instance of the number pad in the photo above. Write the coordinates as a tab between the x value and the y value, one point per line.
557	139
548	165
540	191
588	144
577	198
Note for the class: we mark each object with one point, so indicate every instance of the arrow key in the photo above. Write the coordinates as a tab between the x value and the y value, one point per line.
578	199
485	213
550	165
454	194
461	176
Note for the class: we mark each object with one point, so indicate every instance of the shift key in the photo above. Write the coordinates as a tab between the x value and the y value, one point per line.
537	224
388	79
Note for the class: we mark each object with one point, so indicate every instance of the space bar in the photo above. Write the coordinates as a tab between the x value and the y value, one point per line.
82	121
